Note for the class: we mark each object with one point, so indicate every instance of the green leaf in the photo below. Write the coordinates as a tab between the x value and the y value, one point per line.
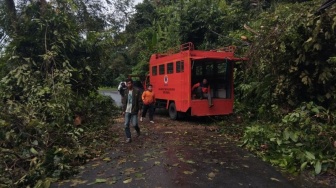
318	167
286	134
303	165
138	175
279	141
316	110
309	155
33	151
88	68
100	180
299	144
294	136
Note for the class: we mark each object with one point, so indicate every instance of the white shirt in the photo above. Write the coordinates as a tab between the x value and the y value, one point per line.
129	101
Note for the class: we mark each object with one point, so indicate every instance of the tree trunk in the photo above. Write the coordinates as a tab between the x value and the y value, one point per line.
43	4
10	8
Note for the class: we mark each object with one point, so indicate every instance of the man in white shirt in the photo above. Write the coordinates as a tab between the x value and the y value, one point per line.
131	105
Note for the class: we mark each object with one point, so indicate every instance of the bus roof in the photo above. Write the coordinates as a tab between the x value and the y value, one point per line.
187	50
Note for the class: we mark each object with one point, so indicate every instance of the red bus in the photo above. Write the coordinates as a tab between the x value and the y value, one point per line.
173	75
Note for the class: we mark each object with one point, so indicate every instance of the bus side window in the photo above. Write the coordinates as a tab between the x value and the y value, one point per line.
170	68
154	70
161	69
179	66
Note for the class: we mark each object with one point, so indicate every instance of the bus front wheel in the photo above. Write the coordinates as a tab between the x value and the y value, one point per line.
172	111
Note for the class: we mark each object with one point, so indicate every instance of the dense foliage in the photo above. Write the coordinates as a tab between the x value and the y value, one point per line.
292	86
297	60
303	138
51	112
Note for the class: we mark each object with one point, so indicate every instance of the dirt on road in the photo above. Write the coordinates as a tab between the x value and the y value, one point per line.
177	154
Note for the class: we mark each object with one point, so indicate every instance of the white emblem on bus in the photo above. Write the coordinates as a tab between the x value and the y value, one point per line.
165	79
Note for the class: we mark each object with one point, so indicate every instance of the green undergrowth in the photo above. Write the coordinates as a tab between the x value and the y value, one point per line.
41	142
304	139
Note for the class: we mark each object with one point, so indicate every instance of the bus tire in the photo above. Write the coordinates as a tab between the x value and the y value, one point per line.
172	111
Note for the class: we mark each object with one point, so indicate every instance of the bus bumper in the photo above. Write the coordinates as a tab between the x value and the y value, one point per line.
220	107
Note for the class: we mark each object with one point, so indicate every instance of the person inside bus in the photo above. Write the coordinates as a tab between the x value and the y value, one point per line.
202	90
148	99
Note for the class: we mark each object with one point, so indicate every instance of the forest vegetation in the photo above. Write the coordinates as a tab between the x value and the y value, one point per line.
54	55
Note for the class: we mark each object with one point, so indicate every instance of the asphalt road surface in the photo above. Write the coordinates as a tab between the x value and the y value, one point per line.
174	154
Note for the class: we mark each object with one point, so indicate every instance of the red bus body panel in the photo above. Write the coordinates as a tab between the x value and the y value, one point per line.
221	107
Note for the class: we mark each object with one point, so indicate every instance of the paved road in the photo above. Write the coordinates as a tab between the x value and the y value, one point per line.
176	154
114	95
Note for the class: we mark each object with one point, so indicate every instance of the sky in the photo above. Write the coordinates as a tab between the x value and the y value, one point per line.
137	1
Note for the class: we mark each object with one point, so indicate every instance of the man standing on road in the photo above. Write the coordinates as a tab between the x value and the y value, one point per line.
148	99
130	105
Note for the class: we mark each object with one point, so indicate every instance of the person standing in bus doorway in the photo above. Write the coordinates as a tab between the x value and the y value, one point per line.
130	109
202	90
148	99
